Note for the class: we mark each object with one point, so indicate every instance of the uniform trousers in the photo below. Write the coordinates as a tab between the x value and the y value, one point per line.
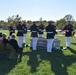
49	45
34	43
24	38
68	41
20	41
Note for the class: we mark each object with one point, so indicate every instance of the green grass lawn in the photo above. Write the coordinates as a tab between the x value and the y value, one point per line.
61	62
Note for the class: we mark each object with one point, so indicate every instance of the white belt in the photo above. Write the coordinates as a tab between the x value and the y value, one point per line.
49	32
67	30
34	31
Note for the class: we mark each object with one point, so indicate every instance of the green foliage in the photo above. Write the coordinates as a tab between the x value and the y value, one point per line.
13	19
69	17
74	24
59	23
2	23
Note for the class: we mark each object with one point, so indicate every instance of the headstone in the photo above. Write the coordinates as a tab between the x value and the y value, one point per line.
56	44
42	43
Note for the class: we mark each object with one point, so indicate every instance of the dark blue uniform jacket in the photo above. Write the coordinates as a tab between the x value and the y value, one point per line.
51	31
24	28
34	30
20	30
11	30
40	29
69	29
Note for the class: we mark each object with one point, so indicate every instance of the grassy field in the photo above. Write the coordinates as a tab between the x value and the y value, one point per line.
61	62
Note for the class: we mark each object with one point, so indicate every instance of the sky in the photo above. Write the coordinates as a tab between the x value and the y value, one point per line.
34	9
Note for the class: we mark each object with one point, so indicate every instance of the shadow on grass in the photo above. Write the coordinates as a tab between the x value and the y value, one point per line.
59	62
6	66
72	50
33	61
74	43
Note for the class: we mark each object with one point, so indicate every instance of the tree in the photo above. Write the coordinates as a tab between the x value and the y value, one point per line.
14	19
60	23
69	17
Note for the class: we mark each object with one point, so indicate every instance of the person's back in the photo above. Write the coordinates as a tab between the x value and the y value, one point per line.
14	43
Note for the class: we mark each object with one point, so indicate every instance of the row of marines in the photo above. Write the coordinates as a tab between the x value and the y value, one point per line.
35	30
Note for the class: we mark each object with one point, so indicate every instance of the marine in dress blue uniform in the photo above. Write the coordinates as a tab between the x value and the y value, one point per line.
51	31
20	34
40	30
34	35
52	23
68	33
11	29
24	32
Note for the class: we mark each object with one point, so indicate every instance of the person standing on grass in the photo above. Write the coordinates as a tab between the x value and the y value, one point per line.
40	29
34	35
11	29
51	31
24	32
68	33
20	35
